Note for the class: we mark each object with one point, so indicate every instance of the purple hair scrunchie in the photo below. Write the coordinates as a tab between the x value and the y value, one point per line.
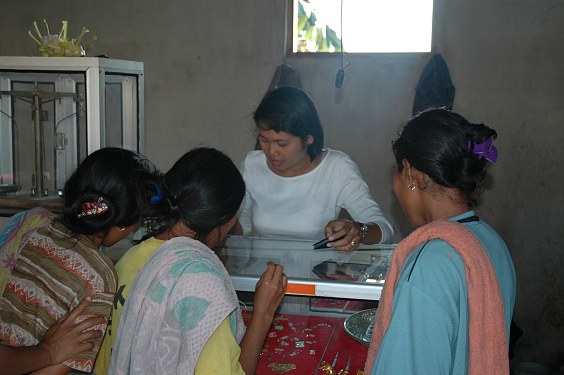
484	150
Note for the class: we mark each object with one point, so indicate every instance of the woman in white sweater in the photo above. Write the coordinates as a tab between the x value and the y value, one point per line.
296	188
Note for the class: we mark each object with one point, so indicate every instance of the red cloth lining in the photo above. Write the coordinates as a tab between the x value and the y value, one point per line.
322	338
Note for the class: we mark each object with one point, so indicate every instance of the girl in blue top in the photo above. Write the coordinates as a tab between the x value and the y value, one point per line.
441	163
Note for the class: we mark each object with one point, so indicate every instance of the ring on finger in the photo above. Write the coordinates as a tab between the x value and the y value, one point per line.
353	243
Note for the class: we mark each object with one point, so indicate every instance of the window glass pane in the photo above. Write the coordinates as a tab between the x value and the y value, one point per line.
368	26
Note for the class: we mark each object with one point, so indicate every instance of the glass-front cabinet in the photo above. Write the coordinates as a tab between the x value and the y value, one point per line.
56	110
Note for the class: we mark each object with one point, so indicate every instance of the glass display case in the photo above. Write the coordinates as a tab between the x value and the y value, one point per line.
325	322
324	280
56	110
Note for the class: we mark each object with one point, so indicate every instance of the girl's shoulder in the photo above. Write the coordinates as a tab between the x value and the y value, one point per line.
254	156
436	258
338	161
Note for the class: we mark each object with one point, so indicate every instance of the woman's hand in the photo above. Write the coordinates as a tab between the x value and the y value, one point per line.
269	290
269	293
66	338
62	341
344	234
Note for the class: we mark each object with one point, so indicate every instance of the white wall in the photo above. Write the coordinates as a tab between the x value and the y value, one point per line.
208	63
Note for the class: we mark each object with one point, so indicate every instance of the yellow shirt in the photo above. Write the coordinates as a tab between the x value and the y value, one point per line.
221	353
127	269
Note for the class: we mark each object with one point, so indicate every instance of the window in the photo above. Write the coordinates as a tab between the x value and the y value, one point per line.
366	26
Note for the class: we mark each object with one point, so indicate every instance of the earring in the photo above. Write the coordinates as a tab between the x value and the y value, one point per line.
121	229
411	186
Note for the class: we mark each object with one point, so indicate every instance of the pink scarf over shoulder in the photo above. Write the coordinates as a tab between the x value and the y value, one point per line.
488	350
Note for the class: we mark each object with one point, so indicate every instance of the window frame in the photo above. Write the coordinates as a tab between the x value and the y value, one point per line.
289	38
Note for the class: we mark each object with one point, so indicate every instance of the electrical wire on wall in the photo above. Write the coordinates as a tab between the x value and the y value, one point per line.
285	32
341	72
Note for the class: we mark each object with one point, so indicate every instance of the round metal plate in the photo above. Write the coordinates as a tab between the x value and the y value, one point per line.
359	325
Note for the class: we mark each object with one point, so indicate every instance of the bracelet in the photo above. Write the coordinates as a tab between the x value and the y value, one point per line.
363	231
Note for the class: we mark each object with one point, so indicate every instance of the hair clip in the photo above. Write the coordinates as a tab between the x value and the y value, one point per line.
484	150
157	197
93	208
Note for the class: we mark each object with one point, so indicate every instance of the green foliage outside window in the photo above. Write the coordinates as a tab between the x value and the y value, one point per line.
312	35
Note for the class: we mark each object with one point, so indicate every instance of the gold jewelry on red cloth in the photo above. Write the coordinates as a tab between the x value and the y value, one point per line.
282	367
327	368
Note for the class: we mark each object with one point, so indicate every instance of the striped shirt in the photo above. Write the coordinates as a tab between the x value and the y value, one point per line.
54	271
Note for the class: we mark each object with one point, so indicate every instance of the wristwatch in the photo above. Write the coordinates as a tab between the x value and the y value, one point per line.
363	231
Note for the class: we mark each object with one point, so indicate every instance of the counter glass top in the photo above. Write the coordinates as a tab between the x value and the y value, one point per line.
323	273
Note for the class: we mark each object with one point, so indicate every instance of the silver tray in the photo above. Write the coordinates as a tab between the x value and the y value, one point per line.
359	325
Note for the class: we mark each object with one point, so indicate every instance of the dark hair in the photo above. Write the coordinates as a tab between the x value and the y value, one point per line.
206	190
435	142
122	179
290	110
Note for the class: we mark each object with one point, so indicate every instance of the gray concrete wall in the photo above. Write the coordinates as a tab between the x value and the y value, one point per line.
208	63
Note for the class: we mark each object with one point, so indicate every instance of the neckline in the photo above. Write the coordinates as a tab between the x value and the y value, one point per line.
469	219
324	154
465	217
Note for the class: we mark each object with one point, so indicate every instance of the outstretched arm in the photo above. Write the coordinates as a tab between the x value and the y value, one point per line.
269	293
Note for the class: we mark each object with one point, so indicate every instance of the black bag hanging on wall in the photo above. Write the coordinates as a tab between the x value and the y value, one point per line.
285	75
435	89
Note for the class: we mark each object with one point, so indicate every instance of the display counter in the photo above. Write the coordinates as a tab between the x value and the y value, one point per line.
325	288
